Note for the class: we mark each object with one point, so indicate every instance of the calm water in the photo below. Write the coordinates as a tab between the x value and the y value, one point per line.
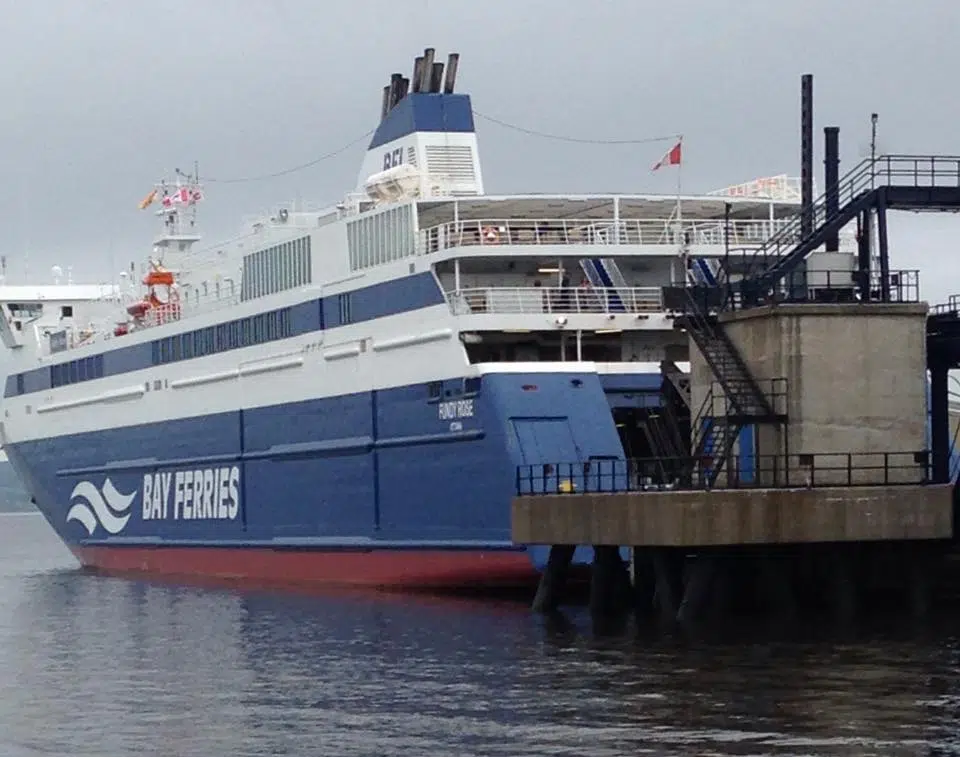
97	666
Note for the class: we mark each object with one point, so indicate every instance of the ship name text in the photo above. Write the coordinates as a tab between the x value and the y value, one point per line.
202	494
454	409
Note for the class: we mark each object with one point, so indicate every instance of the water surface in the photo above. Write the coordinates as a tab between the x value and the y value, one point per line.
101	666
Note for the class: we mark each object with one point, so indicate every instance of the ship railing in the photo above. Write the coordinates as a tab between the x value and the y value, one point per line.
535	300
193	303
498	232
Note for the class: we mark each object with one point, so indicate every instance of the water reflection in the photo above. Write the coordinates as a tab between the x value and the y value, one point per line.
105	666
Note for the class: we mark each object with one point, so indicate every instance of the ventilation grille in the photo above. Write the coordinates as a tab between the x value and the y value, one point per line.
453	163
412	156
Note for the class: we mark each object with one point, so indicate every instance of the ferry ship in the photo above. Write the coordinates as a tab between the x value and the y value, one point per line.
41	308
345	394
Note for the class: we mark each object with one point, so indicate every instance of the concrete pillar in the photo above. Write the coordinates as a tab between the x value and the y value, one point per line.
696	593
843	587
554	578
644	580
609	582
775	584
668	573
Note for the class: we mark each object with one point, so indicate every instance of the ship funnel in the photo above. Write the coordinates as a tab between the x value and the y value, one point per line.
451	77
426	72
425	144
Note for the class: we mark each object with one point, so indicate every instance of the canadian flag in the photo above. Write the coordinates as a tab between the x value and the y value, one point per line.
179	197
672	158
182	196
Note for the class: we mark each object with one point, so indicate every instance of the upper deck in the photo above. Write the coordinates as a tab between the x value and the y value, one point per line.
649	224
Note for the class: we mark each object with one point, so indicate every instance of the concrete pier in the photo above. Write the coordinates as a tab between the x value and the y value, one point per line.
835	490
724	518
853	379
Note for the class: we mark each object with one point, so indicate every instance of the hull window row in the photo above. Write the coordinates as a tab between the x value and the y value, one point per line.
84	369
245	332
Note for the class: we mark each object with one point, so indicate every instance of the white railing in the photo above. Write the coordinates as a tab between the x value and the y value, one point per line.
534	300
191	305
499	232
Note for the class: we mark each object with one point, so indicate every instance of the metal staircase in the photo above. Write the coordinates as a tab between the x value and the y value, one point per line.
895	182
677	378
899	182
743	401
604	273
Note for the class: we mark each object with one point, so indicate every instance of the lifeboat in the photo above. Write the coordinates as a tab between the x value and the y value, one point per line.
138	309
158	277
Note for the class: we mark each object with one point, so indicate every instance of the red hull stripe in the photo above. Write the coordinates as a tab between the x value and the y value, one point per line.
383	568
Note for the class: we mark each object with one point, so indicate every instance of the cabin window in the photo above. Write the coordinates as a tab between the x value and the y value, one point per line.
343	301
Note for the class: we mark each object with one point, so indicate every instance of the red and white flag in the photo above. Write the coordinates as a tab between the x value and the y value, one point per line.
180	197
672	158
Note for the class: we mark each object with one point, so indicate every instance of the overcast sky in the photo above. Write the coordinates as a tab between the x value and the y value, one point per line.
103	97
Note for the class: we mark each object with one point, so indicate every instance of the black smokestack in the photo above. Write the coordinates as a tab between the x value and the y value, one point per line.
451	78
404	86
806	155
436	78
385	105
831	177
417	74
395	89
427	70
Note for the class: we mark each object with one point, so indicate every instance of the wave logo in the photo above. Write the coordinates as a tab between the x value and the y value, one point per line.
107	508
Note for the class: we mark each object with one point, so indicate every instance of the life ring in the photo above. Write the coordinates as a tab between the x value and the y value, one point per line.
490	235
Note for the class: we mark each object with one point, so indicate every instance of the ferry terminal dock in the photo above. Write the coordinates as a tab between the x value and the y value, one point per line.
844	496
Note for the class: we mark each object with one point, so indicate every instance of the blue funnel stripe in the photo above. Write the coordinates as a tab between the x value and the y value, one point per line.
432	112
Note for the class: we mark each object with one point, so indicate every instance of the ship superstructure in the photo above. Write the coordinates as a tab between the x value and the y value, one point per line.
344	394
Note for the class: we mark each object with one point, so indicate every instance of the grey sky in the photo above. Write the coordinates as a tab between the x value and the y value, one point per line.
102	97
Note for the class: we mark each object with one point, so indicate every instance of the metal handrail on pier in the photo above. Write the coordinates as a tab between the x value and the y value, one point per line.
795	471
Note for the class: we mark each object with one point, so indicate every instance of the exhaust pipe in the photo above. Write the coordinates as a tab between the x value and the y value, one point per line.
404	87
385	105
417	74
831	176
436	77
394	90
806	155
427	70
451	77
